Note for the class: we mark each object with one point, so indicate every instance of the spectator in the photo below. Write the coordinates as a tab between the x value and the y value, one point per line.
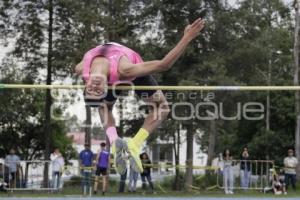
102	162
245	169
13	163
146	174
290	164
278	185
228	172
133	177
57	162
86	158
218	164
3	175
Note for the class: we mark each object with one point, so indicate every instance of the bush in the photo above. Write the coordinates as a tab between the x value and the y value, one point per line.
201	182
168	182
76	181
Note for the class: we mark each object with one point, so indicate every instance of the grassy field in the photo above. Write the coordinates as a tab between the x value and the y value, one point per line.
73	189
76	192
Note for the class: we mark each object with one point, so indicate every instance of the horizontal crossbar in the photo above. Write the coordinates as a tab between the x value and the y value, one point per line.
175	88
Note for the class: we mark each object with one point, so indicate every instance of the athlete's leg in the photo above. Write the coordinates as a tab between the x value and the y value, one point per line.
159	111
108	121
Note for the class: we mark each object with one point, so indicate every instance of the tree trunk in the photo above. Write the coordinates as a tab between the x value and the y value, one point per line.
176	184
296	83
47	131
211	142
189	156
26	174
88	125
268	112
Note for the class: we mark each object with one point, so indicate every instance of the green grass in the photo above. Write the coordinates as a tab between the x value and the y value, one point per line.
73	188
76	191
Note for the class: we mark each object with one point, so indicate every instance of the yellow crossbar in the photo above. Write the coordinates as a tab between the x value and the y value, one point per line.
175	88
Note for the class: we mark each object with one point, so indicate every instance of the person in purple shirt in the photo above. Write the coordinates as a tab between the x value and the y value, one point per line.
86	158
102	162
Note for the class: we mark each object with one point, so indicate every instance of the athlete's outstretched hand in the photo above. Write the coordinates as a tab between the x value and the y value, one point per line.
192	30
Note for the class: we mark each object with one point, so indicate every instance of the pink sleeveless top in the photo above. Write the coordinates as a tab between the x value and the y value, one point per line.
113	52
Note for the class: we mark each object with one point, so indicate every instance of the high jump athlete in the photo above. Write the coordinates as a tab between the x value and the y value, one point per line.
113	63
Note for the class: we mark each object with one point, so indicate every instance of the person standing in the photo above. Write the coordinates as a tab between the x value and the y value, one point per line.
102	161
228	172
58	163
86	158
12	161
133	177
146	174
245	169
290	164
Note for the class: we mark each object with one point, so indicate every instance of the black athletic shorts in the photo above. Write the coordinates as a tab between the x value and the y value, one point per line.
101	171
111	95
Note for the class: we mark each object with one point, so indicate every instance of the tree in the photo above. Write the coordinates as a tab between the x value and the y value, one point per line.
21	123
29	27
296	82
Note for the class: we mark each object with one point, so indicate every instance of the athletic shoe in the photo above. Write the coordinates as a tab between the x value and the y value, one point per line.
119	161
134	155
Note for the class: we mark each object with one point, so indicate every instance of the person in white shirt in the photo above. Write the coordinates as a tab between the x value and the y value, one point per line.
12	161
57	162
228	177
290	164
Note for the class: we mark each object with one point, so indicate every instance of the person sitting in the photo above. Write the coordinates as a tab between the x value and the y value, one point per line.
278	185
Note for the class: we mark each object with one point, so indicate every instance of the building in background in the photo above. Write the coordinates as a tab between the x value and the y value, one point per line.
162	152
78	139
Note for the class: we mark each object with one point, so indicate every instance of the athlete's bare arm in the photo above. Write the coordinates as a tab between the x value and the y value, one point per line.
127	69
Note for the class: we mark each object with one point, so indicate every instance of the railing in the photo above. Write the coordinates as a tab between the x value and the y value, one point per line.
255	175
28	175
